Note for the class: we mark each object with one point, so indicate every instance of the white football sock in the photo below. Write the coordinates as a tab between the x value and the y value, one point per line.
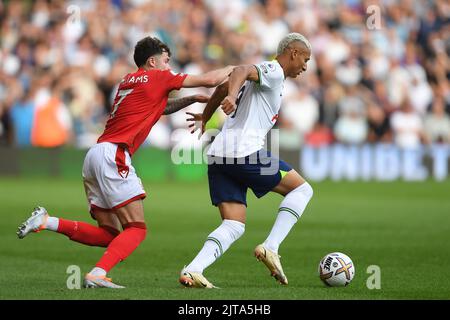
216	244
52	224
290	210
98	272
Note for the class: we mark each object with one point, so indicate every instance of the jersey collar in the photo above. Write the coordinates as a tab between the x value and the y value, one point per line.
275	60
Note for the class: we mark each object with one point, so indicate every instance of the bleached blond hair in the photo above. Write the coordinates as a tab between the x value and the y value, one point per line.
291	37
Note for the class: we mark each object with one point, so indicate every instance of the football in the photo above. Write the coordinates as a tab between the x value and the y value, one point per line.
336	269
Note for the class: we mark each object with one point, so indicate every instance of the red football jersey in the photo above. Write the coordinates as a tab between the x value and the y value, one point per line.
139	103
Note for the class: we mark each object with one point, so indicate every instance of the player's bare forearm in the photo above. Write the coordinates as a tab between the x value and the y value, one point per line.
236	80
214	102
220	75
174	105
209	79
239	75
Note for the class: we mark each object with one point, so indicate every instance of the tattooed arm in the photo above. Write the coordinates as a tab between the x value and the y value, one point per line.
174	105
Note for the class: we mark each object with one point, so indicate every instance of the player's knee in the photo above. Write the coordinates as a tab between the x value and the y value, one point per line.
111	230
236	228
110	234
307	189
139	227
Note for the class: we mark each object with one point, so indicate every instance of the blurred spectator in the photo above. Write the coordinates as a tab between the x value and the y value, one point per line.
270	26
419	91
349	72
301	109
379	126
407	126
332	95
22	114
51	121
351	127
351	102
437	124
356	83
319	136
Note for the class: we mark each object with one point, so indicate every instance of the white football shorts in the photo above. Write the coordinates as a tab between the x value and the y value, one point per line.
110	181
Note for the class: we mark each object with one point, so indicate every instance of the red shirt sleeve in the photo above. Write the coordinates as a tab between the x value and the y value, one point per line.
172	80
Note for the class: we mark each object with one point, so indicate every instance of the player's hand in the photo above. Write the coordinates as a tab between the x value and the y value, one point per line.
228	104
197	123
201	98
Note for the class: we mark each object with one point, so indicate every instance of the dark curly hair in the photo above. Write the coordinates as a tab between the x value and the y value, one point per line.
147	47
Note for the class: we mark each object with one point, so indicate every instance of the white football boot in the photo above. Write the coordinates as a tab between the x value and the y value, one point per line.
195	280
272	262
35	223
91	281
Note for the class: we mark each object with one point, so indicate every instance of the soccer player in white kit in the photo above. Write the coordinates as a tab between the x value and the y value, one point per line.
237	160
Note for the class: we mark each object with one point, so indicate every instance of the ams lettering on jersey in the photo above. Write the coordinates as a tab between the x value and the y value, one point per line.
139	103
134	79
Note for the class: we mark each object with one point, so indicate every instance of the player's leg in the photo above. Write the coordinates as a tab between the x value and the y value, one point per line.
122	191
107	219
101	236
216	244
289	182
77	231
131	217
230	197
218	241
297	194
284	180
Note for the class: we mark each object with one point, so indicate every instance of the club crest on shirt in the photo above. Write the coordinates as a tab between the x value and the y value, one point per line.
271	66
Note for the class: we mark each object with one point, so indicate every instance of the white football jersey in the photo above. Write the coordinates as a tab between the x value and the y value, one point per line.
257	106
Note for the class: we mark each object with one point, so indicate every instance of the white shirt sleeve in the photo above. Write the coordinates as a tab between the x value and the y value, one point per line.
269	74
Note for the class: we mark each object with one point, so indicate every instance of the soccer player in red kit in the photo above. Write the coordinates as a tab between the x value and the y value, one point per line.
113	189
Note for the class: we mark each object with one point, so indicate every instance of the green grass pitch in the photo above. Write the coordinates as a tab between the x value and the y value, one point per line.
404	228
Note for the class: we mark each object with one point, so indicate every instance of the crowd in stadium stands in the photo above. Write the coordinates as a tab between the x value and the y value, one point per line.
368	80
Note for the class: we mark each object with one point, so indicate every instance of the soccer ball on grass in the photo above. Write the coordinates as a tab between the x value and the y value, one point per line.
336	269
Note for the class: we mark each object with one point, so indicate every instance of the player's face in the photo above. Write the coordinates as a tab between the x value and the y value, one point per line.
162	61
300	56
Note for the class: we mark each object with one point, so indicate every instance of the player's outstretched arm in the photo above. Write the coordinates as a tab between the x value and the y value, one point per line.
237	78
212	105
214	102
174	105
209	79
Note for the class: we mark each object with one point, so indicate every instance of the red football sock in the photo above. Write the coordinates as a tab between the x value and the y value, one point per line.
123	245
87	234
